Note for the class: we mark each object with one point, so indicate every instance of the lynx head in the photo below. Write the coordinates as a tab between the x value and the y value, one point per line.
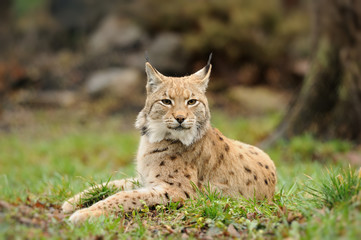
176	108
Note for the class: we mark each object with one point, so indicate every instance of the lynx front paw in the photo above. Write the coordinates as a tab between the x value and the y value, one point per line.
81	216
68	207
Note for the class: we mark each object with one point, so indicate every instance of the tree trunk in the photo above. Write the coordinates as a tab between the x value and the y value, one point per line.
329	103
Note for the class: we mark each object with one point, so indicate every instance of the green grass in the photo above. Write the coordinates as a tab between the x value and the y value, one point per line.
52	157
337	187
98	192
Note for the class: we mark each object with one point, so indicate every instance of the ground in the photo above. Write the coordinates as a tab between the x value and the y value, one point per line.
46	156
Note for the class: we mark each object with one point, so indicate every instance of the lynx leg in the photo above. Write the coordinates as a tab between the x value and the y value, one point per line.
70	205
128	201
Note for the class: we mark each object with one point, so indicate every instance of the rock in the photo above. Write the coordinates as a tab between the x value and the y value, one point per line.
258	100
114	33
50	98
78	14
167	54
117	82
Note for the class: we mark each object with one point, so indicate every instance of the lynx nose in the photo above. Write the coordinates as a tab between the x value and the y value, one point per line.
180	118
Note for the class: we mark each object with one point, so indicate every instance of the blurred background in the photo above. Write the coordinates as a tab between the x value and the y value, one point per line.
281	68
67	54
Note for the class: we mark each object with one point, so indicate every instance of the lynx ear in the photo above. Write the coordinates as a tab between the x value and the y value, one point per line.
203	75
154	78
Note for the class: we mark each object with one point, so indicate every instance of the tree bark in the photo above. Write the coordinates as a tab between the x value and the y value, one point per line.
329	103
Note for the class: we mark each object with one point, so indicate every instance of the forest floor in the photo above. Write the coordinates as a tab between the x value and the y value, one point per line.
48	156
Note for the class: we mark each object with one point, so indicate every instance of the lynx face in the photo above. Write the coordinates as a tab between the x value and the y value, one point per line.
176	108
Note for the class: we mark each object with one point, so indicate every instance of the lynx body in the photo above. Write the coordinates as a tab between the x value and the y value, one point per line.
179	147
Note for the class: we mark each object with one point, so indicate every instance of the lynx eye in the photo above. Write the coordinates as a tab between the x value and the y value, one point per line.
166	101
192	102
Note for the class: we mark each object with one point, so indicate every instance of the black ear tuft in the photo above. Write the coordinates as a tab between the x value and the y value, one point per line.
146	56
208	63
209	59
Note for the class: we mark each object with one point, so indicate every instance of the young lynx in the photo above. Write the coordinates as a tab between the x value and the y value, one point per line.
179	147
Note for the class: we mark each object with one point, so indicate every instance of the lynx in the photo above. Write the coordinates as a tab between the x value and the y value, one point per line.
179	150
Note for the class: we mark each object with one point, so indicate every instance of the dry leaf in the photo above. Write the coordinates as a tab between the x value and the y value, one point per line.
232	231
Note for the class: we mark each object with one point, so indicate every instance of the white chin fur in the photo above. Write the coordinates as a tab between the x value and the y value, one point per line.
157	131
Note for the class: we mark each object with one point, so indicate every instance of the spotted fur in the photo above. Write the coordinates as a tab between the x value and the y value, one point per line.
178	147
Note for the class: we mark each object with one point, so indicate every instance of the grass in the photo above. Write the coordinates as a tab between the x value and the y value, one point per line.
98	192
337	187
52	157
